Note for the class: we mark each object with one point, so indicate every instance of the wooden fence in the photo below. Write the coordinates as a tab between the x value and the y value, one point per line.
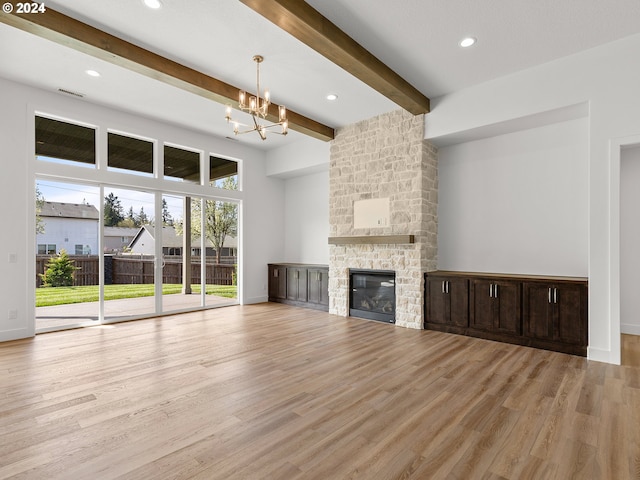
137	269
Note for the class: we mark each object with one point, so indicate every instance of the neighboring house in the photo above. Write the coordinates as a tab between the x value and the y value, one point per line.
144	243
116	239
69	226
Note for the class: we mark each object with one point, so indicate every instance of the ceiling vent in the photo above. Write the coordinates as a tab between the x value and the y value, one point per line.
69	92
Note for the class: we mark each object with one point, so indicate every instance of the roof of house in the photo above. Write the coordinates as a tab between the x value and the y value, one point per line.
121	231
170	238
69	210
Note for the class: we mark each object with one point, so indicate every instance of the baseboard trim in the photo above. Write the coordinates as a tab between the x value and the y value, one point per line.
600	355
630	329
17	334
262	299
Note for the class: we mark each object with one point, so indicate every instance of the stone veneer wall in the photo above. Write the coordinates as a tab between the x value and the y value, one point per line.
385	156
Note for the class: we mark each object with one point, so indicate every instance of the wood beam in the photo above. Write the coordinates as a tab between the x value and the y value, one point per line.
309	26
72	33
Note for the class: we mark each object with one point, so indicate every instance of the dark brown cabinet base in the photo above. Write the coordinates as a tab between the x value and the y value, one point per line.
300	285
535	311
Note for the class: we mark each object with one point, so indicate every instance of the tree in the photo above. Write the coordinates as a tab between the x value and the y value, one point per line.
221	219
39	205
59	272
167	219
113	213
142	218
127	223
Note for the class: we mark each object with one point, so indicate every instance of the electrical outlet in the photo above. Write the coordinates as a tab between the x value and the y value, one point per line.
12	314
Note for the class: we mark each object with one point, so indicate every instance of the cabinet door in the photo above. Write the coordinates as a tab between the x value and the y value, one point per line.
538	310
318	289
570	322
437	302
277	281
481	314
507	307
458	292
297	284
447	301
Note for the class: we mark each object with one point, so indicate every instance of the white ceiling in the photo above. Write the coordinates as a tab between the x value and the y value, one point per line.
416	38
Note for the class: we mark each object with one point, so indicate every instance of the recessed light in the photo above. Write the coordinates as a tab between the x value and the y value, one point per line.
92	73
467	42
332	97
155	4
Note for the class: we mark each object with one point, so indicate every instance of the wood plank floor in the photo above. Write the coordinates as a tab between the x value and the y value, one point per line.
276	392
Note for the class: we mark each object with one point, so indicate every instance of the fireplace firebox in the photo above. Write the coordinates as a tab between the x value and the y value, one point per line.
372	295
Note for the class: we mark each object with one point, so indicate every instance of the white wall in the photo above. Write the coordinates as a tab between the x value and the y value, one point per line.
630	241
304	165
607	78
262	226
302	157
306	214
66	233
516	203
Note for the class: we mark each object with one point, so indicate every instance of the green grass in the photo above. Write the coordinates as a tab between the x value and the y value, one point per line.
48	296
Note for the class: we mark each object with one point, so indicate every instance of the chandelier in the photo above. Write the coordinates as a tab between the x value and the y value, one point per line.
258	107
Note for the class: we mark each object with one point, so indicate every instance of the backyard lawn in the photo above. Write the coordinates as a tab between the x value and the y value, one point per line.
48	296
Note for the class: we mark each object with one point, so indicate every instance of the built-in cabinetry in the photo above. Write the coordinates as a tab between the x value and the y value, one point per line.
538	311
449	300
301	285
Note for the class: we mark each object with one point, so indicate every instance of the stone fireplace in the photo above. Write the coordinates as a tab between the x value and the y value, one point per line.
385	158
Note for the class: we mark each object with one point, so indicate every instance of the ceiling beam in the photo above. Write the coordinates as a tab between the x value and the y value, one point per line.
309	26
67	31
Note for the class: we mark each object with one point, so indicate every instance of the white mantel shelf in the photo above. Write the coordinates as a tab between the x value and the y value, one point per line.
372	239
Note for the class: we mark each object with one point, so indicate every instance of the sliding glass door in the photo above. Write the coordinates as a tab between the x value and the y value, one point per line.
129	239
67	255
129	226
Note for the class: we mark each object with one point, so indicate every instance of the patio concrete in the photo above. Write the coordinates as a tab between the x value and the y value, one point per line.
86	314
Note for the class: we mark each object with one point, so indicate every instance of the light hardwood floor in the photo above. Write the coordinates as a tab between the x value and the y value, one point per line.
276	392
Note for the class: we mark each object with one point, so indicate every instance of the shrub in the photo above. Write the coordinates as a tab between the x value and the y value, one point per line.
59	272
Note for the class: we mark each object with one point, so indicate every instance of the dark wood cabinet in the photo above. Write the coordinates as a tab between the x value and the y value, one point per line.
301	285
297	284
277	282
495	305
537	311
448	300
318	286
555	312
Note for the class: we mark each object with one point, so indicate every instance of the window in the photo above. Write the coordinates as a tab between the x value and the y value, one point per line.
65	142
128	153
46	249
223	173
83	249
180	164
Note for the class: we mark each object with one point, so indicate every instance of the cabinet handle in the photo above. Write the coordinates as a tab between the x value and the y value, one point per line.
491	290
275	273
555	295
495	290
443	286
549	294
447	286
